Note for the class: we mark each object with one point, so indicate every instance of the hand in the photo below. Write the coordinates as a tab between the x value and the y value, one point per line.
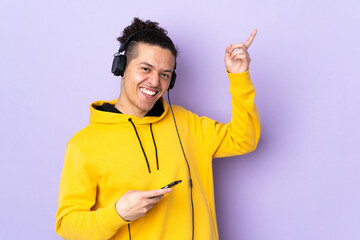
135	204
237	59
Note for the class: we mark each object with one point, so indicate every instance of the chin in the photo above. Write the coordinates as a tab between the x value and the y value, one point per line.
146	107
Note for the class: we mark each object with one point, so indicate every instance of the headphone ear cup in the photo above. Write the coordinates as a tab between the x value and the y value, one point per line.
118	66
172	81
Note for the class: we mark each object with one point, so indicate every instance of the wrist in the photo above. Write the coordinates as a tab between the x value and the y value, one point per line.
119	211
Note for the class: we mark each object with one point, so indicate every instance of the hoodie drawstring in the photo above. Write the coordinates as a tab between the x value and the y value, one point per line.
142	148
147	162
152	135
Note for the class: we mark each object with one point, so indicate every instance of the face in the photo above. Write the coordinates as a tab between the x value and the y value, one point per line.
146	79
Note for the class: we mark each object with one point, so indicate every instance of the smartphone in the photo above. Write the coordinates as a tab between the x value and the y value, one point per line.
172	184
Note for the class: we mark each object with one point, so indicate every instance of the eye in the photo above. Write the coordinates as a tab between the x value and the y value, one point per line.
165	75
145	69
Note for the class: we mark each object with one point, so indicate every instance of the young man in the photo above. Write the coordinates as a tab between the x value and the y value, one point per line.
114	168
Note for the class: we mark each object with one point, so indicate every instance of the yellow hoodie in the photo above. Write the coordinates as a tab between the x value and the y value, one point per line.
104	160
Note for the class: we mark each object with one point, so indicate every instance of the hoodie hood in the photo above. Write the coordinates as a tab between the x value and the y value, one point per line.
98	116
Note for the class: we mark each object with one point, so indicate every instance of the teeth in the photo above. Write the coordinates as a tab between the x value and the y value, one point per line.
148	92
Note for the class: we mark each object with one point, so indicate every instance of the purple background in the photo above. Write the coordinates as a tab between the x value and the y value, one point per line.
303	180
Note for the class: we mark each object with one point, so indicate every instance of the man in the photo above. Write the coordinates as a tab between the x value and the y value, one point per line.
114	167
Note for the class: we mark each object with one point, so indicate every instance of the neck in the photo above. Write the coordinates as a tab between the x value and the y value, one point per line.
121	106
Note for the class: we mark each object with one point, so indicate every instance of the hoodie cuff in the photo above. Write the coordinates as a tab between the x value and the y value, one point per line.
109	219
240	81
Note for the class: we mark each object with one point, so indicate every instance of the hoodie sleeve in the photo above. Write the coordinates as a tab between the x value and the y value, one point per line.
77	195
242	133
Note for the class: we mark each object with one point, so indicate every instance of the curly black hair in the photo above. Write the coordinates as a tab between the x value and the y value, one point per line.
148	32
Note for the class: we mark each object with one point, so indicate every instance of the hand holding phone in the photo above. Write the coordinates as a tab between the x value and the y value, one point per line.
172	184
131	204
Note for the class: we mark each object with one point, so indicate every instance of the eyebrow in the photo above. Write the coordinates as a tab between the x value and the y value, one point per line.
149	65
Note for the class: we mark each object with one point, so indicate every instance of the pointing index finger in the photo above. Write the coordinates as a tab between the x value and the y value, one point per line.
251	39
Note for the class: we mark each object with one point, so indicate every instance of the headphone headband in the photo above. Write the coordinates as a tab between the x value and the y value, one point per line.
128	39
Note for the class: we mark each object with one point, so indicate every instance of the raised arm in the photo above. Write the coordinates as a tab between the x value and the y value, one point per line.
242	133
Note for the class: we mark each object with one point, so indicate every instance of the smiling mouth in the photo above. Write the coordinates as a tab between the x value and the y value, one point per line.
148	92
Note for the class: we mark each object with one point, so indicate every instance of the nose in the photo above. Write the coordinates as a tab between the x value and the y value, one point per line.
154	80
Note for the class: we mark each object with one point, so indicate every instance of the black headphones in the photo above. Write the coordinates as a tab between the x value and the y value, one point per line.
119	63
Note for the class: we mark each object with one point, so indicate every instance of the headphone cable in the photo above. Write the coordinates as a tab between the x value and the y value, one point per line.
187	163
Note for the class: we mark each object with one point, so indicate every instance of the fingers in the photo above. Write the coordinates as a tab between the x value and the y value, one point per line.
135	204
251	39
238	51
227	50
153	200
152	197
241	45
232	47
155	193
243	57
240	54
